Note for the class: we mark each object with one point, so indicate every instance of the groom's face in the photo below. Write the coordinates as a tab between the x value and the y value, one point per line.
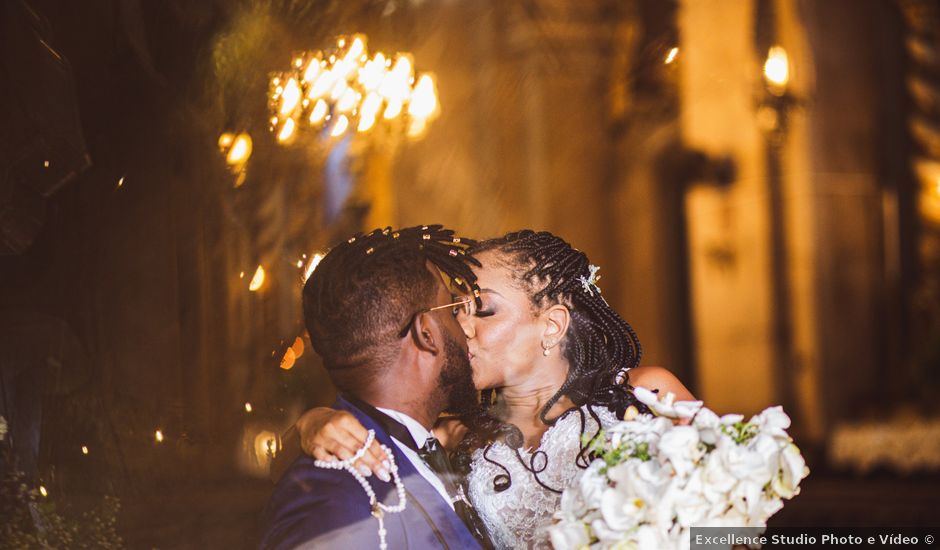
456	379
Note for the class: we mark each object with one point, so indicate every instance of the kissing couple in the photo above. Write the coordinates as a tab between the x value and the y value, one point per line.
510	337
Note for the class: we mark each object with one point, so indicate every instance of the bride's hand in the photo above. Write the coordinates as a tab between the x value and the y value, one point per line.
328	434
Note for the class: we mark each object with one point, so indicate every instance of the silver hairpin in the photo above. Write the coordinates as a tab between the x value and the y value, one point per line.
591	279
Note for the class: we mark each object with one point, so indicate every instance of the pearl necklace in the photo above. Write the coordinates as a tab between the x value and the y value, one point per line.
378	509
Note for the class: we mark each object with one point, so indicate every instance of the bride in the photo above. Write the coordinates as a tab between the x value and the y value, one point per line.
551	358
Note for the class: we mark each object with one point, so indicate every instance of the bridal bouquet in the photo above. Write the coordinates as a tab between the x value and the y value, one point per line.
654	480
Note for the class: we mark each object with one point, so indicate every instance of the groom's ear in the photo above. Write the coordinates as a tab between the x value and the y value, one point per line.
426	333
557	319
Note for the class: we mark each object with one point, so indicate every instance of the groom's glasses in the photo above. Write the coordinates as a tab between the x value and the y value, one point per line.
465	305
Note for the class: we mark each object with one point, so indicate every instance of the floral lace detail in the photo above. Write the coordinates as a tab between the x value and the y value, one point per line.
519	516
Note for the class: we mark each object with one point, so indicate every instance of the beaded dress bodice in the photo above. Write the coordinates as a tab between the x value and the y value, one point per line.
518	516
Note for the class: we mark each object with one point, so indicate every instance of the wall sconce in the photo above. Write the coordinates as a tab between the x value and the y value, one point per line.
775	101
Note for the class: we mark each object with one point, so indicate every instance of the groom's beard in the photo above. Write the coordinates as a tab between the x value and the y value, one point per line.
456	380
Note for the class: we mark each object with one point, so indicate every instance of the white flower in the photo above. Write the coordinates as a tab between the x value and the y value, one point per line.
667	405
773	421
637	478
792	470
707	423
592	483
621	512
680	447
569	535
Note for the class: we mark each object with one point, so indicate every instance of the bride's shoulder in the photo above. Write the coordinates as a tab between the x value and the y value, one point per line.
659	378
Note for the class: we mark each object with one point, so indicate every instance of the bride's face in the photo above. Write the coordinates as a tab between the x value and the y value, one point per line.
504	336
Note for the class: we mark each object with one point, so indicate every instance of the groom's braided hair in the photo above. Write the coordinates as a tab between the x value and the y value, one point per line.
599	345
366	287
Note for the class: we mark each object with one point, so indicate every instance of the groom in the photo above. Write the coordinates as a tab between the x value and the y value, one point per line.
380	312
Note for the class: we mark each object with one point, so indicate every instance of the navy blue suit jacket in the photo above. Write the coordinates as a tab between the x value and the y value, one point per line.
318	508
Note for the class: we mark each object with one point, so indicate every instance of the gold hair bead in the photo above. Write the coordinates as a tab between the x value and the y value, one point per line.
426	236
370	250
458	280
351	240
395	235
476	293
456	240
386	230
453	253
424	228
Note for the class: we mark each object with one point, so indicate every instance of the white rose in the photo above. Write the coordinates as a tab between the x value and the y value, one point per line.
680	447
569	535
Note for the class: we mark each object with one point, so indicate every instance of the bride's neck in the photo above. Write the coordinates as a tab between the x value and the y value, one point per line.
522	403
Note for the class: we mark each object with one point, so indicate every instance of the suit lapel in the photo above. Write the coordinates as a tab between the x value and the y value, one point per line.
425	499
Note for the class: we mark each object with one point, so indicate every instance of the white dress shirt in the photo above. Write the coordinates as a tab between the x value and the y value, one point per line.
420	435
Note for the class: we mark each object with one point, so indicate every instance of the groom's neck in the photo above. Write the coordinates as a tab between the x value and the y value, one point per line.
406	402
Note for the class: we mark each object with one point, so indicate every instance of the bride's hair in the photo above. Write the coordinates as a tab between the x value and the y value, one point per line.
600	345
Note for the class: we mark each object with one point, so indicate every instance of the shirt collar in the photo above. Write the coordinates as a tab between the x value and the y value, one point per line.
417	431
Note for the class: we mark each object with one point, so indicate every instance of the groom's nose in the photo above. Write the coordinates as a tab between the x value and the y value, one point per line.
466	323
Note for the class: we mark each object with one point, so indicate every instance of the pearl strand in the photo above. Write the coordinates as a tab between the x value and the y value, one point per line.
378	509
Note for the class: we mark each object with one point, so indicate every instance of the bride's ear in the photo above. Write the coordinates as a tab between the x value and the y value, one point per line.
557	319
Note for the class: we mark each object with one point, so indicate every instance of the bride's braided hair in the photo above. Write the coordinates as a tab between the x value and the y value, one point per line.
600	345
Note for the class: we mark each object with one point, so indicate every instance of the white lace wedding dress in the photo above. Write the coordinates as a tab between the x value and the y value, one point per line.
518	516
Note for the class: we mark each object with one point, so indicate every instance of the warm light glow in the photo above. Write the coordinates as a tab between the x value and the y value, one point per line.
240	151
42	491
319	112
341	124
313	69
287	131
314	262
298	347
348	101
777	69
671	56
393	109
290	98
290	357
247	407
372	73
225	141
158	436
241	275
424	99
257	280
265	446
352	87
84	450
121	182
45	164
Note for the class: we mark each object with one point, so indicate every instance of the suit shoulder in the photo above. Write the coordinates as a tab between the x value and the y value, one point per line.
309	503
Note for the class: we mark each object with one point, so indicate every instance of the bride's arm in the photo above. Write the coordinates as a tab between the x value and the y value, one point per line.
328	434
658	378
